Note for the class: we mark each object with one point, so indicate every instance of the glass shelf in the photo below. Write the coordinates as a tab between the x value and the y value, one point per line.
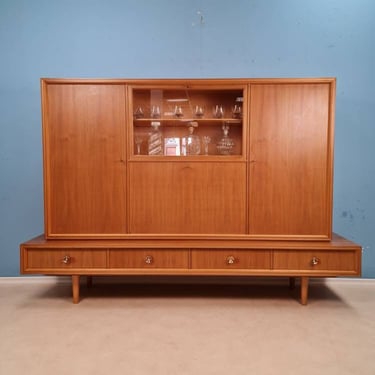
185	121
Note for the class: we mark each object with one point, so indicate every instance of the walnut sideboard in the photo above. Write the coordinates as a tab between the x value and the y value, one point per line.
189	177
304	259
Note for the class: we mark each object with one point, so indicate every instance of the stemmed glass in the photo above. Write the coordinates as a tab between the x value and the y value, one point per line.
199	111
178	111
155	111
138	141
237	111
138	113
218	111
206	140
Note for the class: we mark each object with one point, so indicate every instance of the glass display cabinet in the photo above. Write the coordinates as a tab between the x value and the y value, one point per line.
190	121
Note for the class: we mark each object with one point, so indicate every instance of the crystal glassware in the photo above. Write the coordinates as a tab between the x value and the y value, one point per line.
206	140
237	111
199	111
138	113
191	144
226	144
178	111
155	140
218	111
138	141
155	111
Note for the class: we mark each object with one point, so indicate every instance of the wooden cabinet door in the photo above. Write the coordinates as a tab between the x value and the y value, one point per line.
187	197
84	131
290	160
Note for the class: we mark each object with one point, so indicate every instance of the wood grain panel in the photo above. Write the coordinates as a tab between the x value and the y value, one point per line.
230	259
325	260
84	258
149	258
187	198
84	141
290	159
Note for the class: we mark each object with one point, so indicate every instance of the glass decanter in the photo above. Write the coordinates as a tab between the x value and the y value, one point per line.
226	144
155	141
191	144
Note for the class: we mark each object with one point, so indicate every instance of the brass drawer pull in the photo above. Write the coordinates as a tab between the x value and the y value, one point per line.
66	259
231	260
149	259
315	261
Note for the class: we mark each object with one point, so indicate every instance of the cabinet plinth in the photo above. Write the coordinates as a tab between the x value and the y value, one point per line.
189	177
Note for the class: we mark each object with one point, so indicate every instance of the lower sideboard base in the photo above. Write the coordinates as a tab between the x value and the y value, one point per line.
191	257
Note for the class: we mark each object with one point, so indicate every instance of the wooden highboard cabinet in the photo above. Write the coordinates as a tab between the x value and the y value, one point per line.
189	177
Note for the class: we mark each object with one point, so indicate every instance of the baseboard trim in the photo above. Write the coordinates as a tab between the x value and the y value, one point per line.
206	280
35	280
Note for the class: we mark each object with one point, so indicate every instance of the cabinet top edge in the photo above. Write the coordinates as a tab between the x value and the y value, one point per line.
336	243
148	81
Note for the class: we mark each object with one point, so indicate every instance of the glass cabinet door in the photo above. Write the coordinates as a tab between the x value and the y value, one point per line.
181	122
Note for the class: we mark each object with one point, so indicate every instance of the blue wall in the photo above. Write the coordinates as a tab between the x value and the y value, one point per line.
169	38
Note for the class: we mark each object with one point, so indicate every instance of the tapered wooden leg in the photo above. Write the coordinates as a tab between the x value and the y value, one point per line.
89	281
75	288
292	283
304	289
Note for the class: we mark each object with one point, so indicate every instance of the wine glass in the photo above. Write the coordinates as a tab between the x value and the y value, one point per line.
206	140
237	111
199	111
138	113
178	111
155	111
218	111
138	141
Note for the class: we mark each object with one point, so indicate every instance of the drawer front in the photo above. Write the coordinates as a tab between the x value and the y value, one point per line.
231	259
65	258
316	260
143	258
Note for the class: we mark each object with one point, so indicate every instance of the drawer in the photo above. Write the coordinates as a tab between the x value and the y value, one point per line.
316	260
231	259
144	258
65	258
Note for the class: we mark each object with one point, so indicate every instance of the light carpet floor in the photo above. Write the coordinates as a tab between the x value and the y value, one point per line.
128	328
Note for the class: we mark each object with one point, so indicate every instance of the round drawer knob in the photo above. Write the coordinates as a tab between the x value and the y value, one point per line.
231	259
315	261
66	259
149	259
